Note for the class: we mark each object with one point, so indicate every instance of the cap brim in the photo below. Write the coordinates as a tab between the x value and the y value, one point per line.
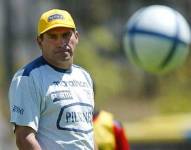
56	26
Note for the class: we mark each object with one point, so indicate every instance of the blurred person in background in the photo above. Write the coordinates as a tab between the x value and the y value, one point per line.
51	99
109	133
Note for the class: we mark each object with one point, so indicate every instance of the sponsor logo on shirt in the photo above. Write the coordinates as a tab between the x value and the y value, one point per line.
76	117
79	116
72	83
18	109
61	95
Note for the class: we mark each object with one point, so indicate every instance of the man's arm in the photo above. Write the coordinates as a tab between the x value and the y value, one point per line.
25	138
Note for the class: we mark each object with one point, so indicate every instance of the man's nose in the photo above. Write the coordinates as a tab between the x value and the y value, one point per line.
61	42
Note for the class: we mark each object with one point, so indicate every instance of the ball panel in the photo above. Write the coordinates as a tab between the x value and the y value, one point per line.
184	27
150	20
179	57
151	52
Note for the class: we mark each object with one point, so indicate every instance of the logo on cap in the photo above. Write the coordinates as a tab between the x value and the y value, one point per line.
55	17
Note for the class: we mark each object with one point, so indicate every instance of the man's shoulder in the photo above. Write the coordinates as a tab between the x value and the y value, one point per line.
85	73
36	63
80	68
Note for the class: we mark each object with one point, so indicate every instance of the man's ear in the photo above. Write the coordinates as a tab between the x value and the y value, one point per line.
77	35
39	41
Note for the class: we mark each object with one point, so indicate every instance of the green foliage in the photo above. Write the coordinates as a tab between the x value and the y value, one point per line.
174	96
103	39
173	102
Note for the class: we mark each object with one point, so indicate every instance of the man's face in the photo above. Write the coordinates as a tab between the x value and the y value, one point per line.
58	46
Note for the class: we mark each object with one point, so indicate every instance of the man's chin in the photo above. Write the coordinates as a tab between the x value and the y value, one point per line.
66	60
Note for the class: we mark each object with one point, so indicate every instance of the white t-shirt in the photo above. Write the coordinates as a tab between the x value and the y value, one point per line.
58	104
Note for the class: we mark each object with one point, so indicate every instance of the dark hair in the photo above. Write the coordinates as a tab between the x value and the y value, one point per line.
41	36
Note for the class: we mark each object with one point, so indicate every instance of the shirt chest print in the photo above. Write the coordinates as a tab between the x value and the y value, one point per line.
68	90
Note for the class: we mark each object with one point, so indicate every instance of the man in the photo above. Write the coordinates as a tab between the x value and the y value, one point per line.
109	133
52	100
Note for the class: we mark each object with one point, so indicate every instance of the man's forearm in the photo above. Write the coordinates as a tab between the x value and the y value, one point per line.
26	138
28	143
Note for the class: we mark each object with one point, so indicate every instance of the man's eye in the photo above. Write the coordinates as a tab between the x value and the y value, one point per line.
67	34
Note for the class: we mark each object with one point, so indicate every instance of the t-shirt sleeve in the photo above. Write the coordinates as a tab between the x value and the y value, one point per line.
24	102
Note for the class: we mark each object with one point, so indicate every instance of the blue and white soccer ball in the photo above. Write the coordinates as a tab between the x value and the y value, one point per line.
157	39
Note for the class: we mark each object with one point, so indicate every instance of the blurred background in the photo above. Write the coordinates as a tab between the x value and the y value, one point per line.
131	94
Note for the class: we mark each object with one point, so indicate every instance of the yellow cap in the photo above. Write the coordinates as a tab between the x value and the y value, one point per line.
55	18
